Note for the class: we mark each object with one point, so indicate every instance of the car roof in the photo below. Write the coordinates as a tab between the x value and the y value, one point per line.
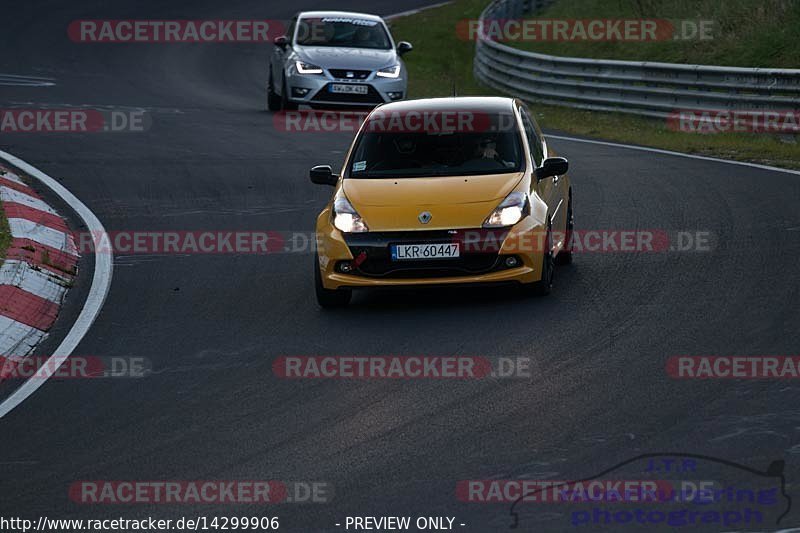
342	14
486	104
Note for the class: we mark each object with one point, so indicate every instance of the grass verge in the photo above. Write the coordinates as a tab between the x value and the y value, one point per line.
441	62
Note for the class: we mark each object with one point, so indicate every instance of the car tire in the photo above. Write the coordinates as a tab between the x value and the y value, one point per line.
286	104
565	256
273	99
542	287
327	298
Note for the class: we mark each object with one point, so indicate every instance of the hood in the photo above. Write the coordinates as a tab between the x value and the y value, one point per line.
351	58
454	202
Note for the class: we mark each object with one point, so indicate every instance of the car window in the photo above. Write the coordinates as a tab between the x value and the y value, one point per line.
535	142
401	152
342	31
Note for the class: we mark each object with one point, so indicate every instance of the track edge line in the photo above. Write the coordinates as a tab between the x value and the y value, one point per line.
671	152
101	283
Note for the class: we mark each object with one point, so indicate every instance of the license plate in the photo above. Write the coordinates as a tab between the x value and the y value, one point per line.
348	89
403	252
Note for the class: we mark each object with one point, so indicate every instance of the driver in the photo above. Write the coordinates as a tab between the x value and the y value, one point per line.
485	153
487	149
364	36
405	145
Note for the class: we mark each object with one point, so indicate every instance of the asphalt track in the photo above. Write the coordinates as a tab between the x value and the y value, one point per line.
212	325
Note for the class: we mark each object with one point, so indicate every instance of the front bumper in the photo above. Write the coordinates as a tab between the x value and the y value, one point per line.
482	259
318	89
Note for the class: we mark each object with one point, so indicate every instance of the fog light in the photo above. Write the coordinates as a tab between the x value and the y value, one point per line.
345	267
299	92
395	95
512	261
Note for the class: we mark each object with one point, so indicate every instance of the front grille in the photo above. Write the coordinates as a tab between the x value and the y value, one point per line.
324	95
349	74
479	253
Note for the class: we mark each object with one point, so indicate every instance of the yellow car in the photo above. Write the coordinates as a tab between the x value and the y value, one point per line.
444	191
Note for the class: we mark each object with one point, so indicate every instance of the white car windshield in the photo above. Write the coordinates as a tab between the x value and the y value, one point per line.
342	31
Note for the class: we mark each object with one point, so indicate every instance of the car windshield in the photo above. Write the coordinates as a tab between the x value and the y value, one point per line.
342	31
399	149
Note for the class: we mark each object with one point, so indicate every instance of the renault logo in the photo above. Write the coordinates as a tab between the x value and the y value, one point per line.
350	74
425	217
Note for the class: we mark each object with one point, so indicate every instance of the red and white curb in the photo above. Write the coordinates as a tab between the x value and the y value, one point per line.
41	264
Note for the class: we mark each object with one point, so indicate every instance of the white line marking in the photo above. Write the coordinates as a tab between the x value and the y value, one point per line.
22	228
26	81
39	282
415	11
679	154
101	283
18	339
11	177
9	195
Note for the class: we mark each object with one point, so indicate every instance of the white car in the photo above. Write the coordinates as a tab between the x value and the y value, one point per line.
336	58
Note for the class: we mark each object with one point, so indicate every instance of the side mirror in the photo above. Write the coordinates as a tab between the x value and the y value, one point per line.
281	42
552	166
323	175
404	47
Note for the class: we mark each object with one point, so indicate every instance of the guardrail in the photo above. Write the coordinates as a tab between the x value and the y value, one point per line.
642	88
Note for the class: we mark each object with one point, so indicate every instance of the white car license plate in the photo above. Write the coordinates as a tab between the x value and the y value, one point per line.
402	252
349	89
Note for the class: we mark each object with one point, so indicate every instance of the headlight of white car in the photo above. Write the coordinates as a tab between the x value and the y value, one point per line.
346	218
389	72
307	68
510	211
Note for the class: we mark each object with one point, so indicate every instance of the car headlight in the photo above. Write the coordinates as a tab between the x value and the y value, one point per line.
346	218
307	68
389	72
509	212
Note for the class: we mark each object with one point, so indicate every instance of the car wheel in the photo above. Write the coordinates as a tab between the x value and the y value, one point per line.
327	298
565	256
542	287
286	104
273	99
